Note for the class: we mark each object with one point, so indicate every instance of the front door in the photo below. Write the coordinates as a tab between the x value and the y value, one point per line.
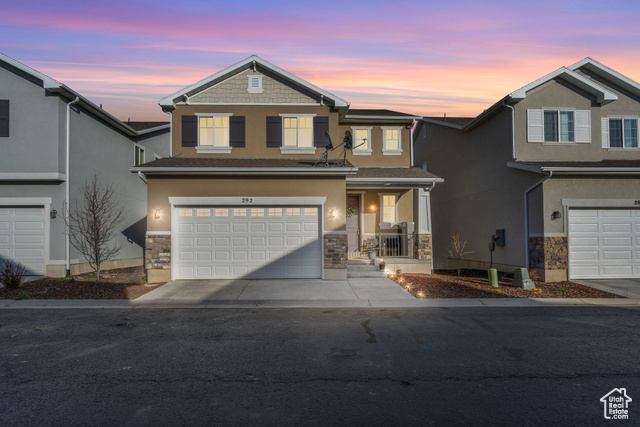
353	223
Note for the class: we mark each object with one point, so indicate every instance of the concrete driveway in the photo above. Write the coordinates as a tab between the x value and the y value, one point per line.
278	289
629	288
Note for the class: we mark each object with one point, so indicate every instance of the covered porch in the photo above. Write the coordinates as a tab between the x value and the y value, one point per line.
388	218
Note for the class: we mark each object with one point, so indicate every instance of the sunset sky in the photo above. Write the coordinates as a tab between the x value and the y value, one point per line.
420	57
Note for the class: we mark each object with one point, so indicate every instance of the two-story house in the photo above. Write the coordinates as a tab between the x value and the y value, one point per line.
52	141
251	189
545	178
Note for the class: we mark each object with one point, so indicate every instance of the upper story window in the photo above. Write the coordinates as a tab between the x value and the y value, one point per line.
361	141
558	125
391	142
213	133
297	134
138	155
255	84
620	132
4	117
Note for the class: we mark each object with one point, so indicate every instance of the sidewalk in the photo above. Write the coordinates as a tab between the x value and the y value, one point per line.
351	303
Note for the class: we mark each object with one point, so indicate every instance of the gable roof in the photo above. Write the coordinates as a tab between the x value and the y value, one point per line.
64	91
252	61
569	74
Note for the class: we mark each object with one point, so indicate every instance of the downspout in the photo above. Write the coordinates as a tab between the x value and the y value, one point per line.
67	241
413	124
142	177
513	130
526	215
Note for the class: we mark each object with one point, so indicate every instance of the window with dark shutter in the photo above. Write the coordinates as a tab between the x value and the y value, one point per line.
274	131
189	131
320	125
4	117
236	131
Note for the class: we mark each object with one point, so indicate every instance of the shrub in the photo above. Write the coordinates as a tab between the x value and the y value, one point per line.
11	273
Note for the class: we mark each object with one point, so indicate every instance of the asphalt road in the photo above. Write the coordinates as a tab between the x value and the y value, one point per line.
428	366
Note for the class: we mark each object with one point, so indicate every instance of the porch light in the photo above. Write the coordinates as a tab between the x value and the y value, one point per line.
556	215
332	213
372	208
53	214
156	214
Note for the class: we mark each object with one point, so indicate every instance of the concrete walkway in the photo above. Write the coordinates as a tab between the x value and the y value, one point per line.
629	288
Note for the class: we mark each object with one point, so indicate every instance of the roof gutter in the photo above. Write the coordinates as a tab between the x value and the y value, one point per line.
244	171
526	215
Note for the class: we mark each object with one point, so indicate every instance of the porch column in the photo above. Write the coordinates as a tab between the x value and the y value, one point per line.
422	217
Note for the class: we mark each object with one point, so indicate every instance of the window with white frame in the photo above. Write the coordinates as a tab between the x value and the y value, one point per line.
623	132
297	134
361	141
561	125
213	133
391	140
138	155
388	209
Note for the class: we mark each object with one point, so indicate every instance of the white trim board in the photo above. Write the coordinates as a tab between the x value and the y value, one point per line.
242	201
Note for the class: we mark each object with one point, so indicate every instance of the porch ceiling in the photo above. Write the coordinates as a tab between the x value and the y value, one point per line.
392	178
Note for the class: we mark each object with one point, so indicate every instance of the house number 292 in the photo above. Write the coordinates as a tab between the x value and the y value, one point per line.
247	200
636	202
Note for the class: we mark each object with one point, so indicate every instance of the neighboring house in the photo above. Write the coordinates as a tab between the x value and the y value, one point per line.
553	167
245	194
42	124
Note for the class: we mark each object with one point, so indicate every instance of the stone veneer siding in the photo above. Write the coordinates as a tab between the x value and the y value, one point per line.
335	251
423	247
157	252
548	253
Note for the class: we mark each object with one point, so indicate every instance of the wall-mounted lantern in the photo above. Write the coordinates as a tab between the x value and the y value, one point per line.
156	214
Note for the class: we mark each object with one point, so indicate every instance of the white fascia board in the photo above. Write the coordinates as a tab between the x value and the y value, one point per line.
245	171
169	101
590	171
47	82
608	73
242	201
603	95
383	182
30	176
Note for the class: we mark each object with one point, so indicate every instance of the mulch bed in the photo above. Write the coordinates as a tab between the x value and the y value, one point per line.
120	283
475	284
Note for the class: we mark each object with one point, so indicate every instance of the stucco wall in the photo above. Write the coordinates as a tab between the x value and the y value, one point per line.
35	127
480	194
97	147
559	94
161	188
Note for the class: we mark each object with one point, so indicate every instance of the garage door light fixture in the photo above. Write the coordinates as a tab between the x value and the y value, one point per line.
156	214
556	215
332	213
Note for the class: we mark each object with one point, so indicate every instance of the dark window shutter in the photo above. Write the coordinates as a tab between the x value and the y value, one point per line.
189	131
274	131
236	131
320	125
4	117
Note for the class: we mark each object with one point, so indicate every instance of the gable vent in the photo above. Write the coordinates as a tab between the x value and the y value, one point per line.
255	84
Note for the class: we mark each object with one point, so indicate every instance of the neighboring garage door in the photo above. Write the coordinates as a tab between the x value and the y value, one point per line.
239	242
604	243
22	236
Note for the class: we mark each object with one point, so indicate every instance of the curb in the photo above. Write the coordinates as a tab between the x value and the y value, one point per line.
356	303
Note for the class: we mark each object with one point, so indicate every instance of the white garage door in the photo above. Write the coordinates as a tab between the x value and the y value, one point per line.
240	242
604	243
22	236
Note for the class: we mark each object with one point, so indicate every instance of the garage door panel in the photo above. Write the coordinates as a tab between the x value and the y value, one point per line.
252	242
22	236
5	226
185	228
604	243
616	228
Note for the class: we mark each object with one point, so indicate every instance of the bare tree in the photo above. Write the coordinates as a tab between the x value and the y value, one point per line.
94	221
457	250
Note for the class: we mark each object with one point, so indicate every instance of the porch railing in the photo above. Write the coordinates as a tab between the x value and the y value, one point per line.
400	245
